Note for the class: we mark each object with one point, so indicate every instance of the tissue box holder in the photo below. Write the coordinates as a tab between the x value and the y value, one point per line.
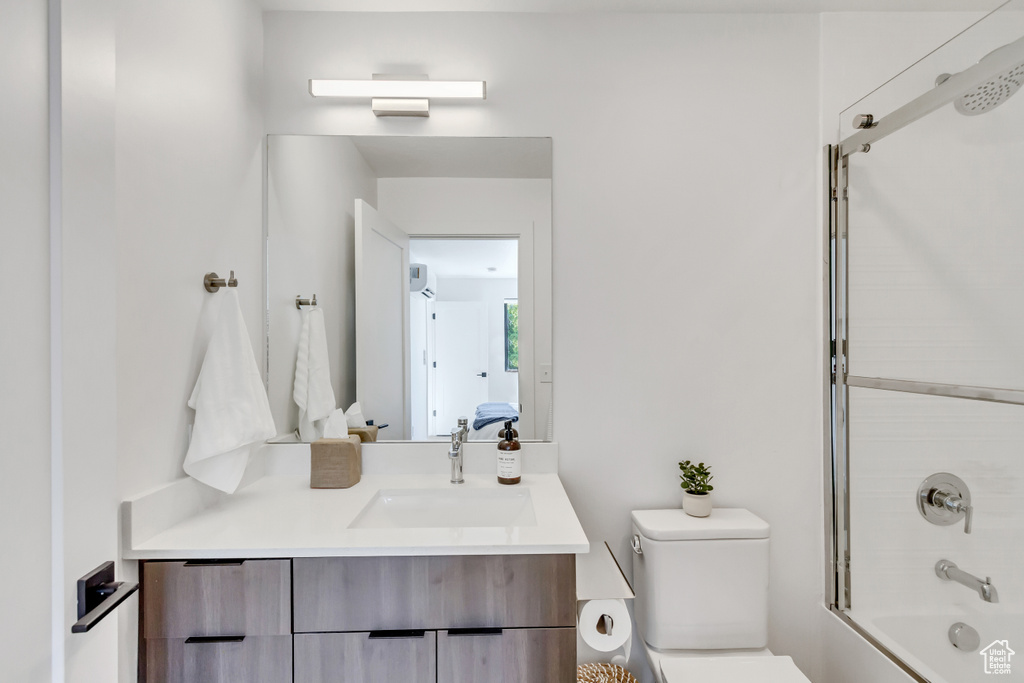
365	434
335	463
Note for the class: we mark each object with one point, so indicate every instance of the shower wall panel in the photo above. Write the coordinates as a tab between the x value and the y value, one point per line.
898	440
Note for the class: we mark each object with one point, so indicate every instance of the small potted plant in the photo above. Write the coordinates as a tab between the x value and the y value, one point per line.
696	489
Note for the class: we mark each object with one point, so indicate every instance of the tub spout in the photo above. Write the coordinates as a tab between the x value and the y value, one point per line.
948	571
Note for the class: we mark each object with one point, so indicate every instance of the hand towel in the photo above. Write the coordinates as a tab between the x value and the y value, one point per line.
313	393
232	410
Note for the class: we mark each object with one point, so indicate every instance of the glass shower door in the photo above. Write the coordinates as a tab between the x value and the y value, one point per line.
928	397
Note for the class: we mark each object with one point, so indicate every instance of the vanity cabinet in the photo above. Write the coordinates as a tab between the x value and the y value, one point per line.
440	619
502	618
216	621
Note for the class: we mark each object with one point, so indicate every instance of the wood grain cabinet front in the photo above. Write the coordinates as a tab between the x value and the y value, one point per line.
406	656
217	598
237	659
506	655
216	622
462	591
440	619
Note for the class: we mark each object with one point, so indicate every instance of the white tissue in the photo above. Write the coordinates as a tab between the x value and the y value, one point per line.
354	416
336	425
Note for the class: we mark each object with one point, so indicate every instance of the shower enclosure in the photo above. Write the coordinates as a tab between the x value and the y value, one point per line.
926	223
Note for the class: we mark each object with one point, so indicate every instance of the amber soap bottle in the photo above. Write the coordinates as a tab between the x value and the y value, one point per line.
510	466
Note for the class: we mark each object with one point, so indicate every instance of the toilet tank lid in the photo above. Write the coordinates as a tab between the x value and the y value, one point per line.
676	525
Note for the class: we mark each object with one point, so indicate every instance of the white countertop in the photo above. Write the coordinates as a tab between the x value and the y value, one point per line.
278	515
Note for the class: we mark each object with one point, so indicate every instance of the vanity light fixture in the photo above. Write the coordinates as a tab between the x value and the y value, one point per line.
399	95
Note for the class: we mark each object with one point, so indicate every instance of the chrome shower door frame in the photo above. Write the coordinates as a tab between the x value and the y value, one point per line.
837	379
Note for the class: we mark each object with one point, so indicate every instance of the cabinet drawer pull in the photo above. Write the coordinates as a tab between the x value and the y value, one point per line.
474	631
214	563
202	640
408	633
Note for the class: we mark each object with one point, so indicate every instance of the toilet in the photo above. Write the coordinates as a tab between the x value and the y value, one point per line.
701	602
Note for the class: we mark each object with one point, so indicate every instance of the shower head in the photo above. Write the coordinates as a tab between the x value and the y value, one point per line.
987	96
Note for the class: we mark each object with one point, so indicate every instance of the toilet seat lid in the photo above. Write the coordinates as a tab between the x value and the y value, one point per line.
731	670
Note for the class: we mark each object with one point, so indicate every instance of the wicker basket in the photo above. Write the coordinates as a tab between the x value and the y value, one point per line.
603	673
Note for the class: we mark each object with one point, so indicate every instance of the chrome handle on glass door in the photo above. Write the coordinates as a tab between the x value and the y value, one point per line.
944	498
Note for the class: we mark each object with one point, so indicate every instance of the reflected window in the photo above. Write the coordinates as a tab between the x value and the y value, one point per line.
511	335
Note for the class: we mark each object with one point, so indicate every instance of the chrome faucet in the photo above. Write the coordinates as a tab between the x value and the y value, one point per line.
455	452
948	571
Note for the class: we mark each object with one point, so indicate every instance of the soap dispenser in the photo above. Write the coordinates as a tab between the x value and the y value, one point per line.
509	464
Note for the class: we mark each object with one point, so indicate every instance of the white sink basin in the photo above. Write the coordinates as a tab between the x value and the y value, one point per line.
454	507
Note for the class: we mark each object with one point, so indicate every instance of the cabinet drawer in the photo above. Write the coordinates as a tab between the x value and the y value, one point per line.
507	656
352	657
259	659
184	599
384	593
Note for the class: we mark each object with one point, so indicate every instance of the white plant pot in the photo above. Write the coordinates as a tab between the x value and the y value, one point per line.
697	504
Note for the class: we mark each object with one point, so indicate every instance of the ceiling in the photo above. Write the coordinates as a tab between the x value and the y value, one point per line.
467	258
449	157
674	6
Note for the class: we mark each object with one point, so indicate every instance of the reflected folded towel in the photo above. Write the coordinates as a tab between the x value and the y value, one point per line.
313	393
232	410
489	413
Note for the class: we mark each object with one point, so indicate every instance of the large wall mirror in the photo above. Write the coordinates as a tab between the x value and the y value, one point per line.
430	260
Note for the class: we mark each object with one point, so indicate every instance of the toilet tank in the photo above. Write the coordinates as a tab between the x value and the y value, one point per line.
701	583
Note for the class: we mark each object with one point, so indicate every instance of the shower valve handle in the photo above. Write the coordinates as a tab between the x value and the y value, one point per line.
952	502
944	498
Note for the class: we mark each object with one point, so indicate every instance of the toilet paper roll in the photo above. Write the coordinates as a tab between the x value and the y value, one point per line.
604	625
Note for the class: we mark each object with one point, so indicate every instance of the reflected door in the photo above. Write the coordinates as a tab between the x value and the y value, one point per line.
461	351
382	321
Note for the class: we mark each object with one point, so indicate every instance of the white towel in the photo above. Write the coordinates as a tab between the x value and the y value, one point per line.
313	393
232	410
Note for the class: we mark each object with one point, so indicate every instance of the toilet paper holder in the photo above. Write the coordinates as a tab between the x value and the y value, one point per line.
605	624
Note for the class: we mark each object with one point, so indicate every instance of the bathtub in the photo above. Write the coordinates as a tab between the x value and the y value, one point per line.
922	642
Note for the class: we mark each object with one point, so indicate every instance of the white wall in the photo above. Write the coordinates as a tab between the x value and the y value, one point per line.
312	187
25	346
189	163
85	356
685	260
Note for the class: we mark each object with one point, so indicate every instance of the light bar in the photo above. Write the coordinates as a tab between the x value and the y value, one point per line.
399	89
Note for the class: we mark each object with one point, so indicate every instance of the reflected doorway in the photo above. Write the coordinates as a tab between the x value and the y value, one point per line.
463	327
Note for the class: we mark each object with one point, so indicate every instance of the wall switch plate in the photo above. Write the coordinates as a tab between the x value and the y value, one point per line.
545	372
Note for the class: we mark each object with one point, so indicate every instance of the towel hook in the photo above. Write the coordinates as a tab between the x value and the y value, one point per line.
300	302
214	283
